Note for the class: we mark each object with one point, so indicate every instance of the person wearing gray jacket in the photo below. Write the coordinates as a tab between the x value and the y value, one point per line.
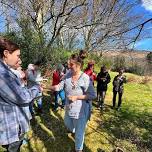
33	75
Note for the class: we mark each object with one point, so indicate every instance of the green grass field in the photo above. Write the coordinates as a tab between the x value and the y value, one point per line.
129	129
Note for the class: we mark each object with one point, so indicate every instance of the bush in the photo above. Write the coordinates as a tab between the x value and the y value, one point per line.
149	57
146	80
119	62
136	69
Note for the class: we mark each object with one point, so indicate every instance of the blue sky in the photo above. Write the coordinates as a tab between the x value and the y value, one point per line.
146	9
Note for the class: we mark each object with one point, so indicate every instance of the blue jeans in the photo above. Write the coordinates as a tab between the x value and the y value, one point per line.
39	103
59	94
78	127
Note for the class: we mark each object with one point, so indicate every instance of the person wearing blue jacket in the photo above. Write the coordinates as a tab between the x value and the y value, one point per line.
14	98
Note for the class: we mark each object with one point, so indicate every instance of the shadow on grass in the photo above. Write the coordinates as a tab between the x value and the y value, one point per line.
129	125
49	128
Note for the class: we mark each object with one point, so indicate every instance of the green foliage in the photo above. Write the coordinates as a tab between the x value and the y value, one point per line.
149	57
100	60
136	69
32	48
119	62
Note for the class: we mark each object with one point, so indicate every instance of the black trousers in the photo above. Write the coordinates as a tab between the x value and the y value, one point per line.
119	98
13	147
101	97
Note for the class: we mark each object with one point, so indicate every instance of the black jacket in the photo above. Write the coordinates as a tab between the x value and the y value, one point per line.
102	81
118	83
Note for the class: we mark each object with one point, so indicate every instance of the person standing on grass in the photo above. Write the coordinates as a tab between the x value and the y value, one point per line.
57	77
103	78
14	98
33	75
118	87
90	71
79	92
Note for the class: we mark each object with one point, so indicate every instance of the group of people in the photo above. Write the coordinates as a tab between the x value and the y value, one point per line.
103	78
75	87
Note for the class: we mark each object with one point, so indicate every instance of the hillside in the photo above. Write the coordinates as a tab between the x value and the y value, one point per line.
139	56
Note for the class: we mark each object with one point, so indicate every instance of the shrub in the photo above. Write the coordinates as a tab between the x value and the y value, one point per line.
146	80
119	62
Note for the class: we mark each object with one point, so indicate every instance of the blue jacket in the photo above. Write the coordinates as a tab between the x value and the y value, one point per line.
14	120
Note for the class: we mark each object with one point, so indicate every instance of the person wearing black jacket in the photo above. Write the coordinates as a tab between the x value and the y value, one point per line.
118	87
103	78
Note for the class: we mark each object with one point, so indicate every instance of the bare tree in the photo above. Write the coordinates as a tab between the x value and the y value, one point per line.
46	17
103	20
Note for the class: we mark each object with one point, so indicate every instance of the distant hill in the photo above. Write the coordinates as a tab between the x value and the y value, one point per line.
139	56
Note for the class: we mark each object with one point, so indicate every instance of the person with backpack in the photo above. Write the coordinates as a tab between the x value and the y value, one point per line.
118	88
103	78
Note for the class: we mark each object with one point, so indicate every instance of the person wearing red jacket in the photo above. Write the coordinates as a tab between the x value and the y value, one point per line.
90	71
57	77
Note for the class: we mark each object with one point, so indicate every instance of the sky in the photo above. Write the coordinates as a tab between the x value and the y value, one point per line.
146	9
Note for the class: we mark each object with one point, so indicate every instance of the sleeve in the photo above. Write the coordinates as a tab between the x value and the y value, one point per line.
98	77
89	89
14	94
114	81
32	78
108	78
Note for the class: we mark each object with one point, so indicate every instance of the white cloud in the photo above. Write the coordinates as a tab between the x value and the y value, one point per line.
147	4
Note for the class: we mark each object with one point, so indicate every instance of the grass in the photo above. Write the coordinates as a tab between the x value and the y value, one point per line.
129	129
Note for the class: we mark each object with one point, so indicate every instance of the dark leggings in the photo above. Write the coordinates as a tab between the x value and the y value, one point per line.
119	98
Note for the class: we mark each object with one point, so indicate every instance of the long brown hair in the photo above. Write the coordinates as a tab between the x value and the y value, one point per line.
6	44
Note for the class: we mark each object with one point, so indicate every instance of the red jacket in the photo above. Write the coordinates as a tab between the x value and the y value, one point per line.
57	77
90	73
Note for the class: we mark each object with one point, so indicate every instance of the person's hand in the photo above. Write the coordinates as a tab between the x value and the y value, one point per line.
72	98
41	88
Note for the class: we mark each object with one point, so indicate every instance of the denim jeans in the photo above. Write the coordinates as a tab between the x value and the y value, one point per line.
77	126
15	146
39	103
59	94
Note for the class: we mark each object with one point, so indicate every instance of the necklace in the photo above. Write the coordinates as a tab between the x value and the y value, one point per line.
74	80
